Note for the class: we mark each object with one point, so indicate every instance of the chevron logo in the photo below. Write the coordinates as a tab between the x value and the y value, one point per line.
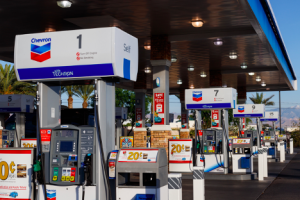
41	53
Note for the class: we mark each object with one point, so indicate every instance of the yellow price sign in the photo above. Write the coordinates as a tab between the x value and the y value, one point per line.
177	148
280	135
267	137
4	167
134	155
28	145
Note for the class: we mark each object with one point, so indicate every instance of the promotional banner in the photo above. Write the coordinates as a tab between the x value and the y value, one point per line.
210	98
126	141
270	116
244	122
249	110
159	109
138	155
241	141
215	118
28	143
15	174
77	54
180	151
139	118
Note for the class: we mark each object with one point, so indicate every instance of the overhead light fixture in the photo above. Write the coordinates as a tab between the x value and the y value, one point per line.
233	55
224	86
218	42
197	23
173	59
203	74
244	66
258	79
267	88
49	30
191	68
147	70
179	82
251	73
192	87
64	4
147	47
263	84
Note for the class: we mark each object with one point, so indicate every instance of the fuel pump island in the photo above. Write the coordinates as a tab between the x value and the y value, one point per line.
70	160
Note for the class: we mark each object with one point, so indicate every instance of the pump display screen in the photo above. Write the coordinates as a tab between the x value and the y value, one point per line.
248	135
66	146
4	137
67	133
209	137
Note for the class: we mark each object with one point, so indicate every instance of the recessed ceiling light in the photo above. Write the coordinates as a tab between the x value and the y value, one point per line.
191	68
225	85
233	55
203	74
258	79
192	87
173	59
49	30
64	4
263	84
179	82
244	66
267	88
197	23
147	70
251	73
218	42
147	47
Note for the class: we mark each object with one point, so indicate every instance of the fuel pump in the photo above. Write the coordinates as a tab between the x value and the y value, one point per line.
8	138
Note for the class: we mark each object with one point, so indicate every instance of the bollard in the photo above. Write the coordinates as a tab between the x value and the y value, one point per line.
265	155
260	164
282	152
175	186
198	183
291	146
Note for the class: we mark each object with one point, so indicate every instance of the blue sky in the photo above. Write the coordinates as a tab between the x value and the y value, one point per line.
287	15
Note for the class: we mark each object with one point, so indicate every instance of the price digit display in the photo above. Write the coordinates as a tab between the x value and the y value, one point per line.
4	169
134	155
177	148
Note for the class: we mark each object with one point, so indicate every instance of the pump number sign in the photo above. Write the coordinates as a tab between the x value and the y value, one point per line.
180	150
210	98
15	174
138	155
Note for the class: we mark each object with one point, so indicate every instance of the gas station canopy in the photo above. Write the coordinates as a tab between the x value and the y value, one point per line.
246	28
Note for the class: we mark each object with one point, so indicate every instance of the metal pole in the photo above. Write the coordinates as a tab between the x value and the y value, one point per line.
225	141
258	132
279	113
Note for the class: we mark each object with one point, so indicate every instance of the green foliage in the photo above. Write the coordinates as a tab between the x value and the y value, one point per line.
192	133
179	117
126	98
259	99
10	85
206	118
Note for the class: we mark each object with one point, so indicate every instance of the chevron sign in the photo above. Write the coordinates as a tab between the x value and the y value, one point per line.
40	53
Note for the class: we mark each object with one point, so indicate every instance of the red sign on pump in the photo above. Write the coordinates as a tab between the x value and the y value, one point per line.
159	109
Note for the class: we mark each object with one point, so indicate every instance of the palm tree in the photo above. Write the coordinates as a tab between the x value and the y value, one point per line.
70	91
10	85
259	99
84	92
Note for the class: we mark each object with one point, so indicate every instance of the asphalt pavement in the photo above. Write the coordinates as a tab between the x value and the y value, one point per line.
282	183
